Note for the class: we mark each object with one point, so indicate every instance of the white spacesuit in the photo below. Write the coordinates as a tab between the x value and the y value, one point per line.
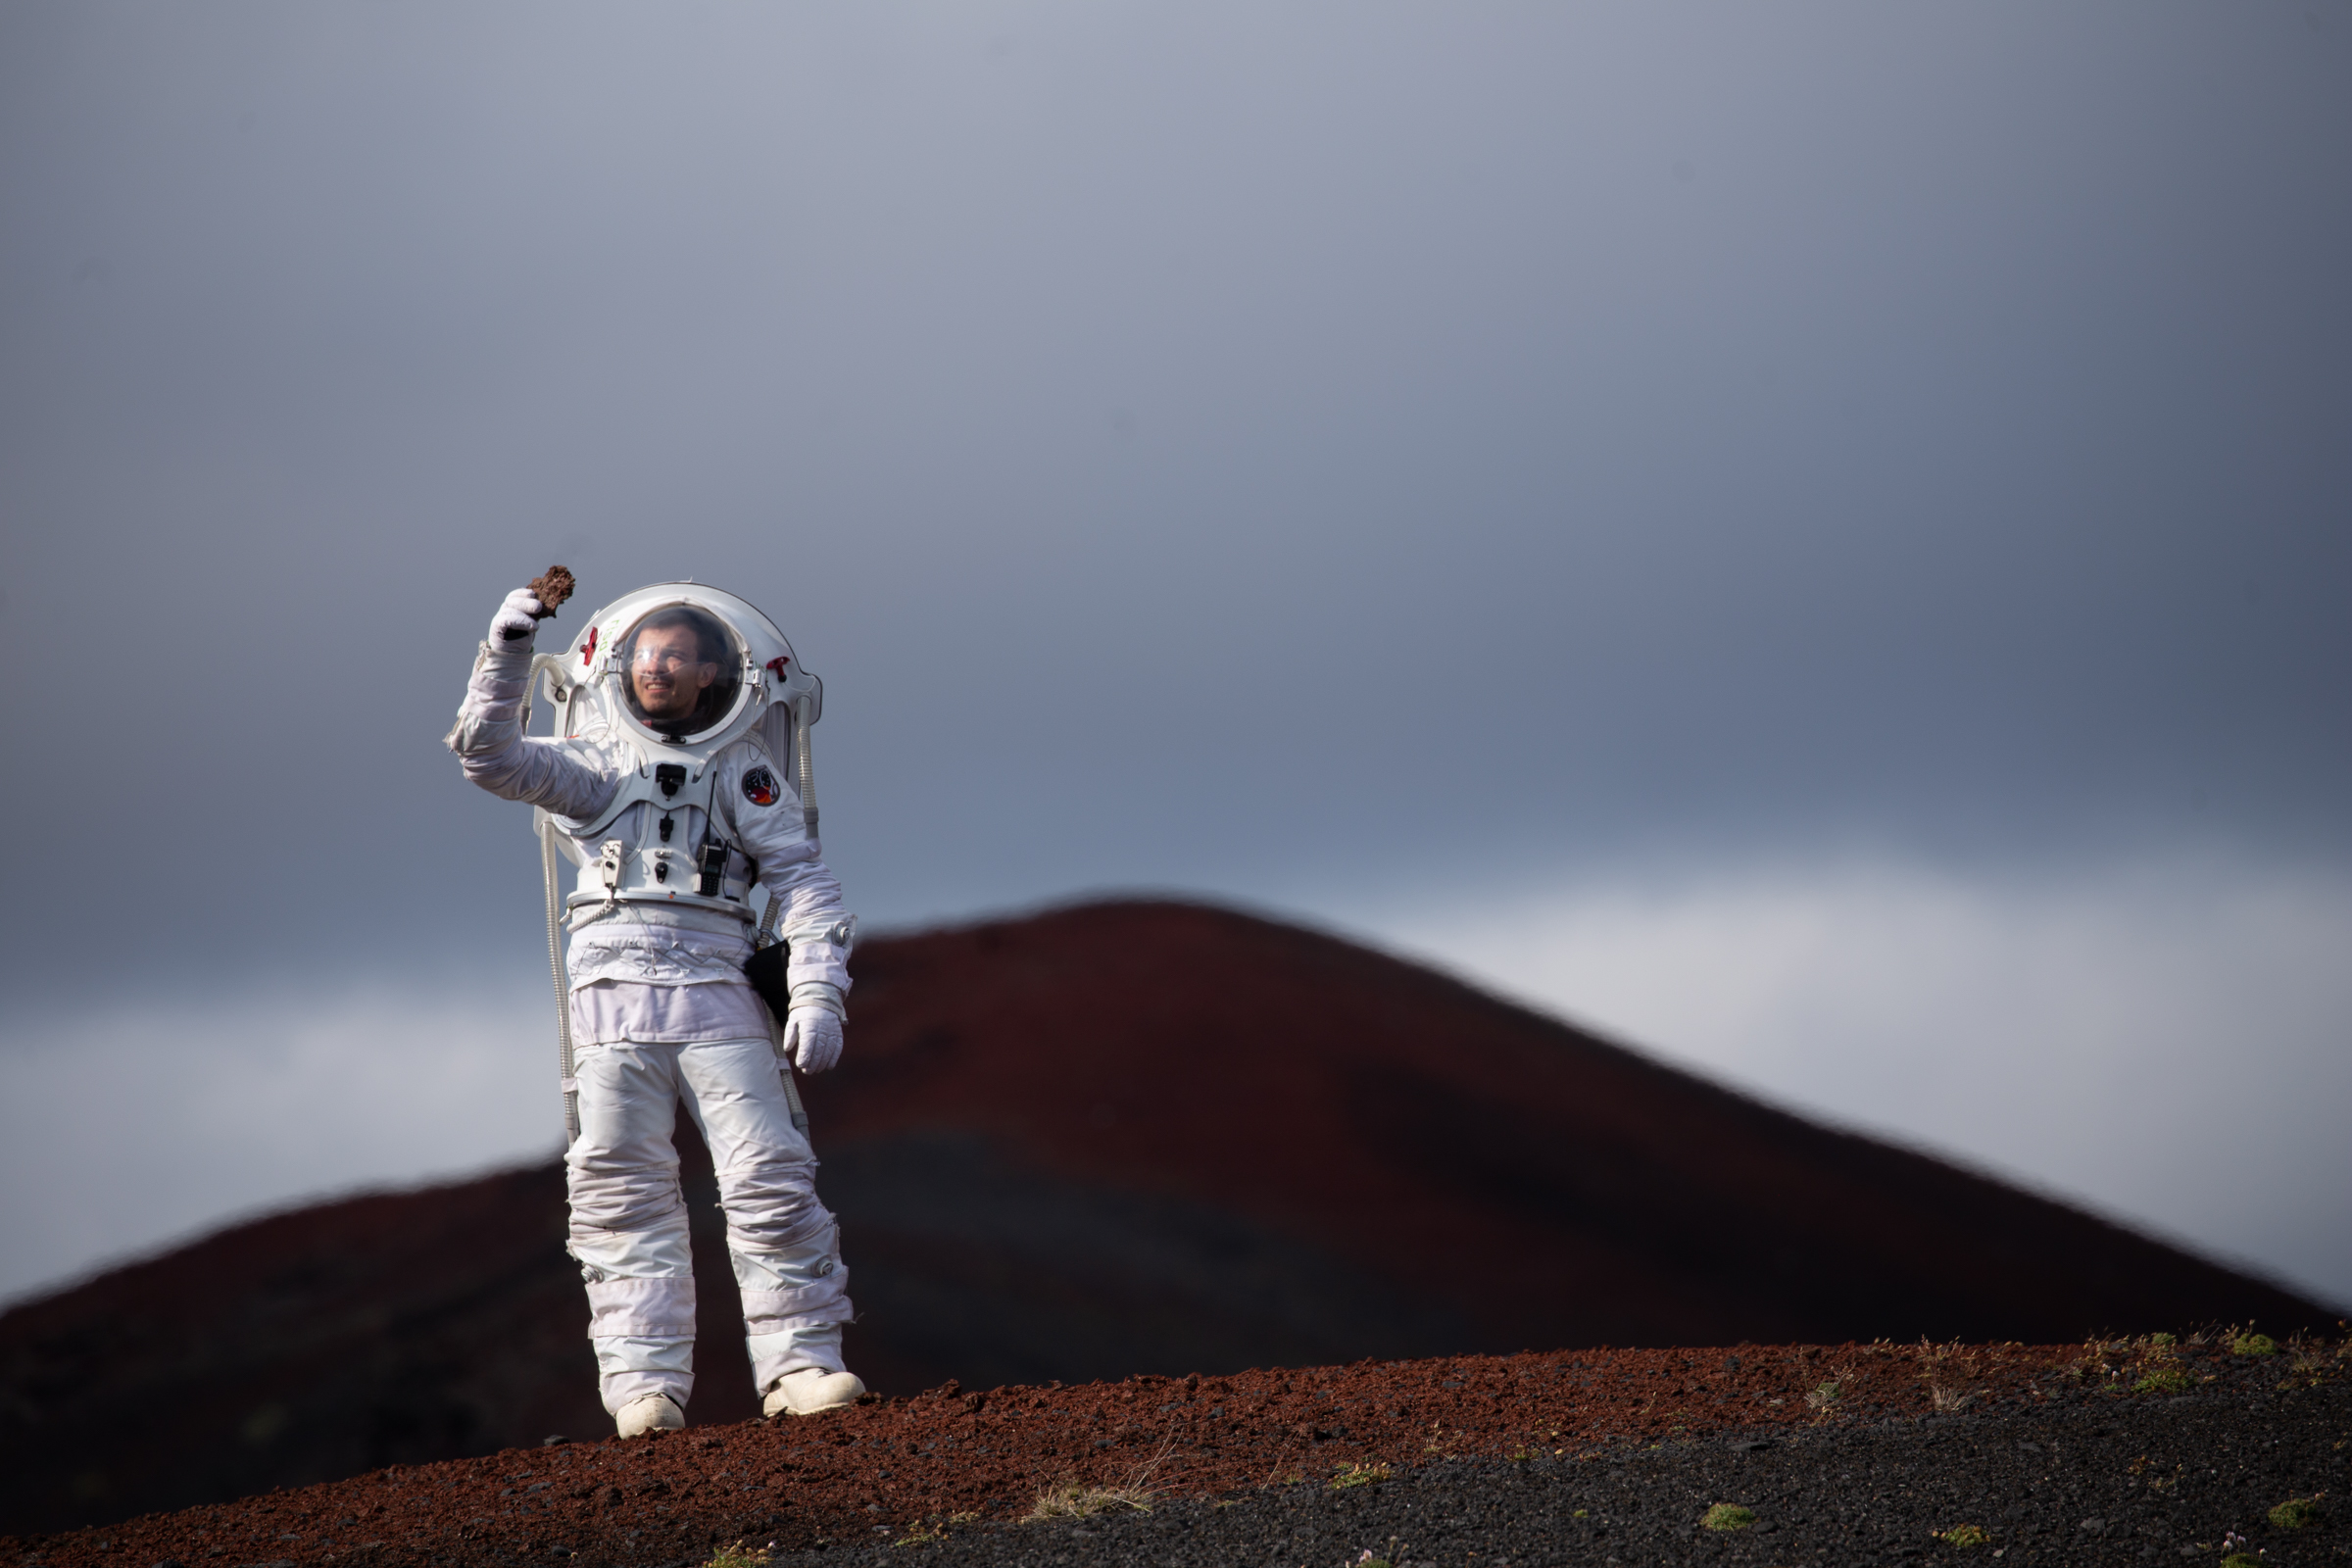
674	783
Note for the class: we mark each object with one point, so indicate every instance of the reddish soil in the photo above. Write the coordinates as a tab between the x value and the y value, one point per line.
894	1468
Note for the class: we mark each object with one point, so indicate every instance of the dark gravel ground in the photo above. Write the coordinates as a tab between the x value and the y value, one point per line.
2086	1478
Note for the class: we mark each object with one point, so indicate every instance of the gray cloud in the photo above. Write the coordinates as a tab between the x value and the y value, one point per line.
1298	452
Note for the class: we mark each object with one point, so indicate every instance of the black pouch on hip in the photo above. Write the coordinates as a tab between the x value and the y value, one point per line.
765	969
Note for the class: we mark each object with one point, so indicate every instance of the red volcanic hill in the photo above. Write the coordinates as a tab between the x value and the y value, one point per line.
1113	1139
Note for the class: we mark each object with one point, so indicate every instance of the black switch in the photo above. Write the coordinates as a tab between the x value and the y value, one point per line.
670	775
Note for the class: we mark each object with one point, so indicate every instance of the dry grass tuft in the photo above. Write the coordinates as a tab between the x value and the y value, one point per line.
1070	1499
740	1556
1947	1370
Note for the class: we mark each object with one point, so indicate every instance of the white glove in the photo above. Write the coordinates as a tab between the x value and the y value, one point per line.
516	619
812	1037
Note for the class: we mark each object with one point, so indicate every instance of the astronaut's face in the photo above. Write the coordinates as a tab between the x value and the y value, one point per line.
668	672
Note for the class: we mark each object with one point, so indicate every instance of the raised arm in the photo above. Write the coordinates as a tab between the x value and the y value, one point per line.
488	738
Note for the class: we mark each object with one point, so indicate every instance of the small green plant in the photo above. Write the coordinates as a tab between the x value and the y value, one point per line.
1823	1398
2253	1344
2295	1513
927	1532
1367	1560
2162	1380
740	1556
2162	1340
1358	1475
2241	1559
1965	1536
1729	1516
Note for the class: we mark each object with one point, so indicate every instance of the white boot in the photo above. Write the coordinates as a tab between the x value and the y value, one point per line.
810	1390
652	1412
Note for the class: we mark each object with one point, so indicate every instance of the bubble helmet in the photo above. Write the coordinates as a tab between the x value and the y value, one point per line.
683	669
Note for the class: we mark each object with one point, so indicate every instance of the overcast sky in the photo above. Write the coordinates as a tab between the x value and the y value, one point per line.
1814	538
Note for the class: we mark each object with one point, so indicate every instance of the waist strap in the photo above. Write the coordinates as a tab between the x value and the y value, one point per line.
627	911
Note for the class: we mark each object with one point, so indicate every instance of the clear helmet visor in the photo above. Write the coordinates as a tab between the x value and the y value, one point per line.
680	669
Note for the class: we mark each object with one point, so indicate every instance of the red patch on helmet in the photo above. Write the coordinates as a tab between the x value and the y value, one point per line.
759	787
777	663
588	653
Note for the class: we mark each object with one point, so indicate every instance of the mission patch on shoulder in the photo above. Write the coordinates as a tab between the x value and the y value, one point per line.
759	787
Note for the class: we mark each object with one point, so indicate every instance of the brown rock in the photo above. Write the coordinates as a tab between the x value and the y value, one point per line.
553	587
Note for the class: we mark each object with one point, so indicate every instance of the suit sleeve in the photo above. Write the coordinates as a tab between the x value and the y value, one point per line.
496	755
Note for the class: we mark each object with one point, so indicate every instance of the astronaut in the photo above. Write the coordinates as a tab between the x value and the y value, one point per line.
677	709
